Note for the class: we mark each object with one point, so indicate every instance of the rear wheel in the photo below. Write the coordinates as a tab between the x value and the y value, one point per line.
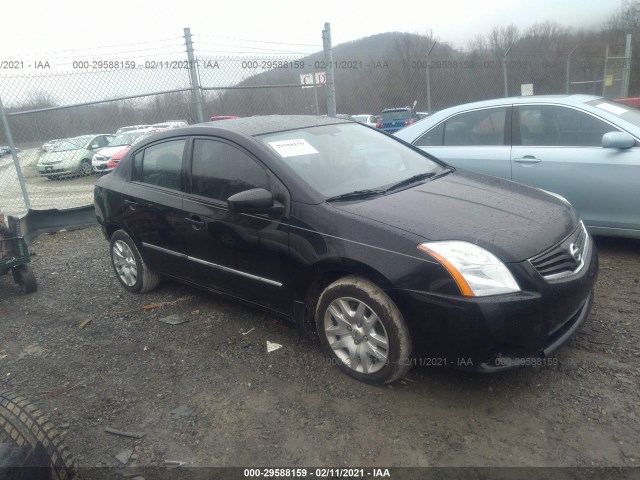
131	270
28	440
362	331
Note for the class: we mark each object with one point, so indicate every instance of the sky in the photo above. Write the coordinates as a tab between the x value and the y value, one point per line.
64	31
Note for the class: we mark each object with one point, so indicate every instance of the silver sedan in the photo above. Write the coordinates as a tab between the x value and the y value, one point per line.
582	147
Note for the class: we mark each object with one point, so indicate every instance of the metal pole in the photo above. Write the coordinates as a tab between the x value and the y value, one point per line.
429	79
604	76
193	71
569	68
627	68
505	79
14	154
315	93
328	57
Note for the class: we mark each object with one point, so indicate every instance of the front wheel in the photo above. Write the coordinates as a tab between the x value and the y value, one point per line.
85	168
131	270
362	331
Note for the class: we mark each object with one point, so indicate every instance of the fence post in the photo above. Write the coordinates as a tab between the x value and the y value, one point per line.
429	79
626	72
14	154
604	75
196	93
505	78
328	57
569	68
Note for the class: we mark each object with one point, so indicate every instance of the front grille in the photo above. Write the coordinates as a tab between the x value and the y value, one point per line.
565	258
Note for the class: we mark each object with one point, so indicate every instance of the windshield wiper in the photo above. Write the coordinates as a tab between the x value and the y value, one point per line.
357	194
410	180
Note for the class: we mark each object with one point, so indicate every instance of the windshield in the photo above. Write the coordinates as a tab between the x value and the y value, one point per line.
76	143
620	110
338	159
125	139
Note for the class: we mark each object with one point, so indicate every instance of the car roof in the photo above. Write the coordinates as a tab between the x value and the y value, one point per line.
259	125
574	99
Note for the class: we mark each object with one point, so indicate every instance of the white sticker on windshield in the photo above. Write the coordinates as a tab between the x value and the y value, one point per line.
612	108
293	148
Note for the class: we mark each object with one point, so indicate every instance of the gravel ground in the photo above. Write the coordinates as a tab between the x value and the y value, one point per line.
208	393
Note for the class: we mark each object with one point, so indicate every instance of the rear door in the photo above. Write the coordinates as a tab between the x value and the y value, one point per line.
240	254
559	148
476	140
153	202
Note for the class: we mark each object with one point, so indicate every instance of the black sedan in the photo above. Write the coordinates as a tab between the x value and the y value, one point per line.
391	256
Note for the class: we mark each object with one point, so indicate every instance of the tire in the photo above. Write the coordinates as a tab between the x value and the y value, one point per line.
85	168
28	440
362	331
23	275
128	265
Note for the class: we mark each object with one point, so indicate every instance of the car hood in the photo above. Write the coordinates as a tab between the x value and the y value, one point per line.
54	156
513	221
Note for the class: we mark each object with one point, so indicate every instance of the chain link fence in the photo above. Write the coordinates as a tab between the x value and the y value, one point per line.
67	124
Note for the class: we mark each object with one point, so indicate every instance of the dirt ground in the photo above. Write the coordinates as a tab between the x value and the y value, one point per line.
207	392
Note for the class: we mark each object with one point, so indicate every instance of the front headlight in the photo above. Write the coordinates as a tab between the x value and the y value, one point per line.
477	272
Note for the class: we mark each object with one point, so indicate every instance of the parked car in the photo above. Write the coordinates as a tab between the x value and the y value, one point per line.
365	118
393	119
116	157
386	250
170	124
48	146
222	117
72	156
5	150
582	147
119	143
132	127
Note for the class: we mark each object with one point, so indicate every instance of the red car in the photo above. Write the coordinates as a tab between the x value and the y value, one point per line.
222	117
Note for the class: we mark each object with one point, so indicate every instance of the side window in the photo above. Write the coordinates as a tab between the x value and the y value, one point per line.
220	170
480	127
160	164
433	138
545	125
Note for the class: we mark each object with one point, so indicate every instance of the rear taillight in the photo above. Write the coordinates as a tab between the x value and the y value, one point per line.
112	163
379	125
409	122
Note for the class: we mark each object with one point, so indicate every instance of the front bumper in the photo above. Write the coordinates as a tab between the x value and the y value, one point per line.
47	170
500	332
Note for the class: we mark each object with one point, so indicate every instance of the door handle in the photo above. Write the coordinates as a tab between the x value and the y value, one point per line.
131	204
195	222
528	159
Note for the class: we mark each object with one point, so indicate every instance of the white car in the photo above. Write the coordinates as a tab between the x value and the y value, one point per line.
366	118
133	127
117	144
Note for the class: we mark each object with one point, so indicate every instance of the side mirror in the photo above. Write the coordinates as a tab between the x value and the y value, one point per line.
94	146
617	140
256	200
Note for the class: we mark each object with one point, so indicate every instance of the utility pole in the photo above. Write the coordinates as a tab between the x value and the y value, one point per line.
328	57
196	93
